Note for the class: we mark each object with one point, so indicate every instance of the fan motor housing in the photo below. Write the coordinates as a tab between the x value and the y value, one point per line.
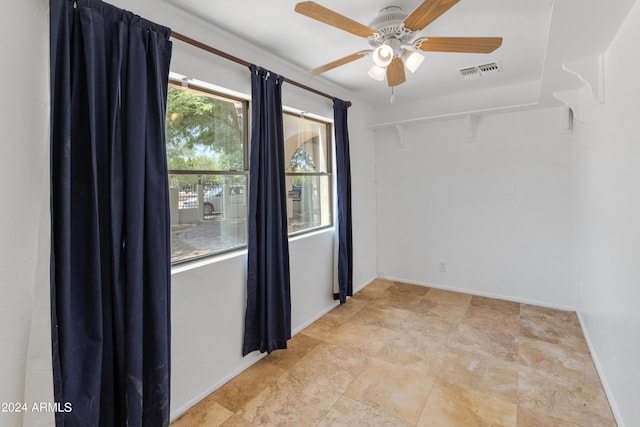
388	24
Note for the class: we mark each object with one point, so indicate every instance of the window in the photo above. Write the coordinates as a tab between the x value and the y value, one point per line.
308	173
207	158
207	161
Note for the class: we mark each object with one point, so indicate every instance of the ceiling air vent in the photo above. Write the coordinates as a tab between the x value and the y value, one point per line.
480	70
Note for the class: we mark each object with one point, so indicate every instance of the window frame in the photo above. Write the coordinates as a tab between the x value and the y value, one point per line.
329	173
184	83
181	84
245	129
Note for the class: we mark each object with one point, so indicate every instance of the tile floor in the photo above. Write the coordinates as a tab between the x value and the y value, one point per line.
407	355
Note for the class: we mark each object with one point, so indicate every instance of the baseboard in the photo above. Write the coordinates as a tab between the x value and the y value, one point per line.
246	363
481	294
603	379
297	330
363	285
594	355
252	359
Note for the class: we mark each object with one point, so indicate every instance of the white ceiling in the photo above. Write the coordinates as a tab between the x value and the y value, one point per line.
538	36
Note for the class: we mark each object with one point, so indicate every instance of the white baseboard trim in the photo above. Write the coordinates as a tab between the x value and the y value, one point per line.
603	379
255	357
363	285
245	364
594	355
481	293
314	318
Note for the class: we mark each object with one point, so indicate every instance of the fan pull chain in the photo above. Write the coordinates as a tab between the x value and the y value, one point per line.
393	96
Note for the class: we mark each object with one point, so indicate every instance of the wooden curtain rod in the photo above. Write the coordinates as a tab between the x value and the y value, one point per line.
237	60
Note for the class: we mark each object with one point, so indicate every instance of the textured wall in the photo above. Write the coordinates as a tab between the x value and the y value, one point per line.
24	188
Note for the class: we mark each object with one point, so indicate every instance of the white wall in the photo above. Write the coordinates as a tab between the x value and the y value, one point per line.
497	209
440	198
208	315
24	186
607	176
208	299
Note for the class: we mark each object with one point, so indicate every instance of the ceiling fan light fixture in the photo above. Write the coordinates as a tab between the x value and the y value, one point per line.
412	60
383	55
392	34
376	72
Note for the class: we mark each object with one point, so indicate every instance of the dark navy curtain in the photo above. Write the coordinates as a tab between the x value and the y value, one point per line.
268	313
343	177
110	255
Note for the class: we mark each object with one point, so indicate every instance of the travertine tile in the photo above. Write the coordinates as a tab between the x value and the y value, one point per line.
485	374
432	328
365	336
297	348
321	327
530	418
380	284
334	366
392	388
451	406
411	350
395	297
495	305
557	360
352	413
237	421
374	290
579	402
445	305
445	297
344	312
204	414
493	314
567	317
387	317
553	326
485	341
290	401
415	290
399	354
234	394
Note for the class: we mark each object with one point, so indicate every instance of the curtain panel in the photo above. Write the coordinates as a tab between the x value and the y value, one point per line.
343	179
110	255
268	311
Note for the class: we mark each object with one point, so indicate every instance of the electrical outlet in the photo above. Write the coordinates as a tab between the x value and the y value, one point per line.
443	266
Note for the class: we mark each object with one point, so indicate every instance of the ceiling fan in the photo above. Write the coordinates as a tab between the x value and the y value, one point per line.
392	34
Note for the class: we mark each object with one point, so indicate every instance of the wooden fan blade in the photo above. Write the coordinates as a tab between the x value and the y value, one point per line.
427	12
459	44
336	63
395	72
328	16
